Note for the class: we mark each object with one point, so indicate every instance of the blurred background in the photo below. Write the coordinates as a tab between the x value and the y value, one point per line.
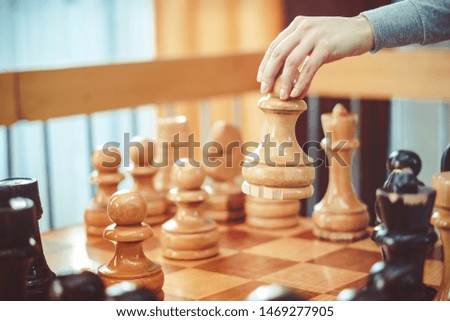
53	34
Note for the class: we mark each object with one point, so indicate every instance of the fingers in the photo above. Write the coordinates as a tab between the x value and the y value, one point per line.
276	61
285	33
290	69
309	69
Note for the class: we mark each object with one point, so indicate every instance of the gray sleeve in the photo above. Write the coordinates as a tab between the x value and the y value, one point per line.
410	21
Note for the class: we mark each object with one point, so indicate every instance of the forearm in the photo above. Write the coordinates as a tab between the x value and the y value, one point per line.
408	22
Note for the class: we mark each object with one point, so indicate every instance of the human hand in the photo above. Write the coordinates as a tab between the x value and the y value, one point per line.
311	41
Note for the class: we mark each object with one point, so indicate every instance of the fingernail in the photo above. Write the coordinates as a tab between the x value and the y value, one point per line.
294	93
283	94
264	88
258	78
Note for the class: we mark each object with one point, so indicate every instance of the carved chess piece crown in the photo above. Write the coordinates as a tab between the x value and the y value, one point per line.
281	169
106	177
340	215
142	154
226	200
189	235
128	210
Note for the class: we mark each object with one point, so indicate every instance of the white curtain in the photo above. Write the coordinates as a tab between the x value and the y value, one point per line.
423	127
38	34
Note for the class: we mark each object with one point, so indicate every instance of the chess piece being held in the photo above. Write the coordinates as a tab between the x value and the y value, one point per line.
142	154
189	235
107	178
283	171
127	210
226	200
441	220
340	215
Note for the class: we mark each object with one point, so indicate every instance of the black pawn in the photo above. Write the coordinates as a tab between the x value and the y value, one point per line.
404	159
39	275
18	246
84	286
404	166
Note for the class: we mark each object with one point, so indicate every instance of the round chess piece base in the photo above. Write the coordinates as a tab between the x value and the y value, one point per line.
277	193
339	236
271	214
153	282
340	227
190	254
187	245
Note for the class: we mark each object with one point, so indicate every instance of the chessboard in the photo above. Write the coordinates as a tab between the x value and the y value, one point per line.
249	257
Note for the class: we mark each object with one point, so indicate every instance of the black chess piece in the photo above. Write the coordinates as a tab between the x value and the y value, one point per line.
387	282
39	274
404	159
408	164
273	292
127	291
18	245
84	286
403	206
445	160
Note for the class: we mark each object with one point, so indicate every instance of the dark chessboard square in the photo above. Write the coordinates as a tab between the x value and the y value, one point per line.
240	292
308	235
349	259
246	265
239	240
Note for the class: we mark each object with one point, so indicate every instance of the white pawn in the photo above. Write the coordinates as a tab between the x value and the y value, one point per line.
189	235
127	210
106	177
142	153
226	201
